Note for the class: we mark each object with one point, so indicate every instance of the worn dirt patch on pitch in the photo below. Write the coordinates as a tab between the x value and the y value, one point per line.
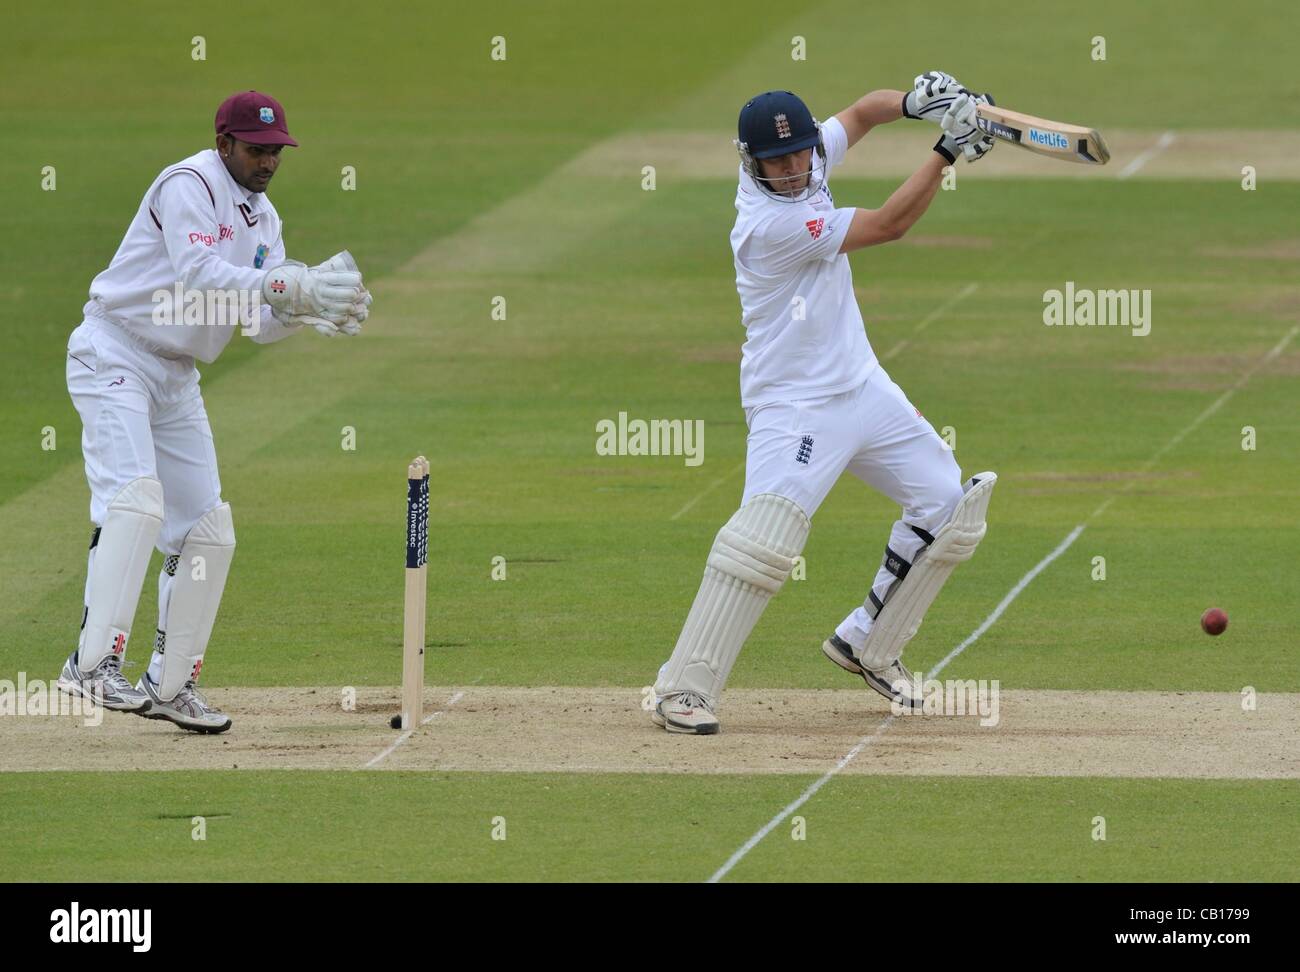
1110	477
895	150
1227	364
1206	372
492	728
1288	250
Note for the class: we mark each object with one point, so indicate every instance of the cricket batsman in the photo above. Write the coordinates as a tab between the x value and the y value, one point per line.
817	401
202	257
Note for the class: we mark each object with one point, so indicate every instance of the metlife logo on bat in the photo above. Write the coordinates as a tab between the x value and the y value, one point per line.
1053	140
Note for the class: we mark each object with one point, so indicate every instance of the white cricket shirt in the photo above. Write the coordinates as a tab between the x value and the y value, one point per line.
804	333
198	227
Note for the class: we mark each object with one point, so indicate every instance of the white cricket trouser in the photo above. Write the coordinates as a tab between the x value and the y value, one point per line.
799	449
142	415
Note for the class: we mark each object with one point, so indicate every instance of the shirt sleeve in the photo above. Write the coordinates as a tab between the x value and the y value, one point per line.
836	141
184	211
800	234
270	330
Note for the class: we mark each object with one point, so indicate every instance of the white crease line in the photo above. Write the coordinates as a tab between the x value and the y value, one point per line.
1063	546
1213	407
879	731
452	701
707	490
934	315
1218	402
409	732
807	795
1101	509
1162	143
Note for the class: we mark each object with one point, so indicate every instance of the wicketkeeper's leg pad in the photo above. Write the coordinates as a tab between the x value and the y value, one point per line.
751	558
189	593
910	597
119	556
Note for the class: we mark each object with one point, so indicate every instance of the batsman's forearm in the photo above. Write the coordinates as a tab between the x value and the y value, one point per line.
909	201
878	107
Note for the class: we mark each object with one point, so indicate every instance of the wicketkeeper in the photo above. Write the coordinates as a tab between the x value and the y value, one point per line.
818	403
202	258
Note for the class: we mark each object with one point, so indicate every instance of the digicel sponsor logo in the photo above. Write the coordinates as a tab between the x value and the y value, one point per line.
207	239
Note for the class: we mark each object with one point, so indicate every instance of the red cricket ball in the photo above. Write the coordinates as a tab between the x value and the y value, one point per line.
1214	621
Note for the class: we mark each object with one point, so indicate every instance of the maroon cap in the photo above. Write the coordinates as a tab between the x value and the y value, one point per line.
251	116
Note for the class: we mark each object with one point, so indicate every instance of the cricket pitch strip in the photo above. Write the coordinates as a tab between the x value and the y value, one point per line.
1192	735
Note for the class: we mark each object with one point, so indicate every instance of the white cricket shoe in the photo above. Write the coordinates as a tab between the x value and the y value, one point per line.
189	710
105	686
685	712
894	682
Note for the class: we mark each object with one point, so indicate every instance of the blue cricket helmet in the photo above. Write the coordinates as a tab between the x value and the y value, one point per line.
777	123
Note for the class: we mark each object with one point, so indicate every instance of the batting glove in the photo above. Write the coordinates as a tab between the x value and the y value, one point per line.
982	146
959	128
932	94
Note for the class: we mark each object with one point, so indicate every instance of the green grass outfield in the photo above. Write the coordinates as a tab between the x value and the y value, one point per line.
627	827
471	186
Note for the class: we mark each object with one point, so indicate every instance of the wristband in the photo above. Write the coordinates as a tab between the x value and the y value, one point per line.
943	150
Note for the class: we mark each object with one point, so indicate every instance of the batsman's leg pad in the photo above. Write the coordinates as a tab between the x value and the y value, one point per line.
751	558
187	608
119	556
900	614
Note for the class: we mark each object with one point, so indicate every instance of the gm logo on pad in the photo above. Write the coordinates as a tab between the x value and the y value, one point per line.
1052	140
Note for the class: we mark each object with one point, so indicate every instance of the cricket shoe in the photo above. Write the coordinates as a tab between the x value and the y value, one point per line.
685	712
189	710
894	682
105	686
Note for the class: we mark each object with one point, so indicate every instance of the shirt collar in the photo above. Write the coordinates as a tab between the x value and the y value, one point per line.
256	201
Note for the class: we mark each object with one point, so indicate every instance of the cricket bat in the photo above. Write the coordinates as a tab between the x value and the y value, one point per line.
1074	143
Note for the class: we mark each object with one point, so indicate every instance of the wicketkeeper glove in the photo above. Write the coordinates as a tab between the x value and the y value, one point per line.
346	311
293	289
349	325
